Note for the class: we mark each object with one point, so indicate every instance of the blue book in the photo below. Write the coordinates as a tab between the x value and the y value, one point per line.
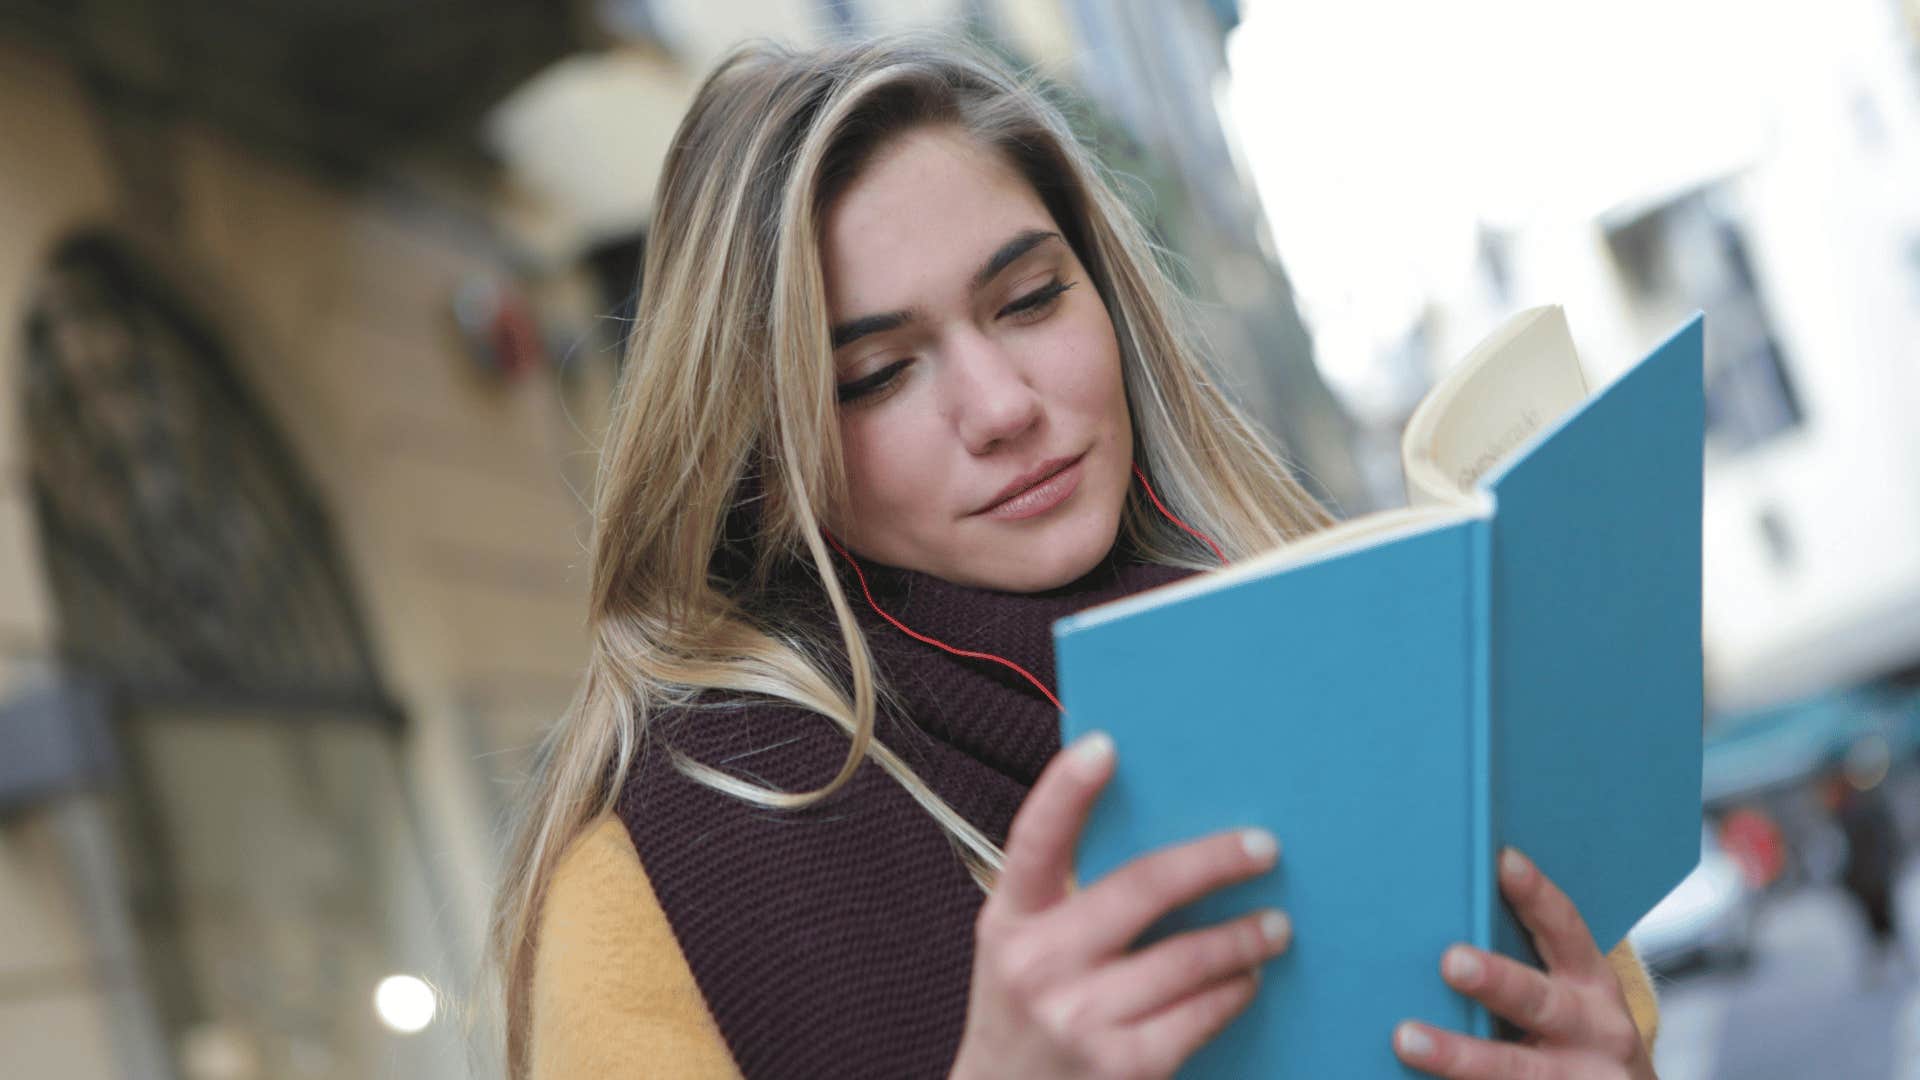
1514	658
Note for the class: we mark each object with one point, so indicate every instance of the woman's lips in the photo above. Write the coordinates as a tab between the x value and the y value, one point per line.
1041	497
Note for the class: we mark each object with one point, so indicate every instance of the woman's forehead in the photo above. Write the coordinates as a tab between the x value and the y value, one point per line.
925	214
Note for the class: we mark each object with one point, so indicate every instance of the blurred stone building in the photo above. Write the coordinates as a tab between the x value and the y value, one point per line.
289	541
304	349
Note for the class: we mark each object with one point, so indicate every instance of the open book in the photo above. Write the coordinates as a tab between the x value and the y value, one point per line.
1514	658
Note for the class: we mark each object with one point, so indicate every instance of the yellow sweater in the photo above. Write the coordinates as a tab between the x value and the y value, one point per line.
613	995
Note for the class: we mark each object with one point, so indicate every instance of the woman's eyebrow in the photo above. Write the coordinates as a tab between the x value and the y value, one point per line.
853	329
1022	243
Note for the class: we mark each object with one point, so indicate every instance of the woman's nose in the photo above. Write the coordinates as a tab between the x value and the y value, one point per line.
994	403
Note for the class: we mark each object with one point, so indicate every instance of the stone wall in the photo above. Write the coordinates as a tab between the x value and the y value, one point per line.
450	492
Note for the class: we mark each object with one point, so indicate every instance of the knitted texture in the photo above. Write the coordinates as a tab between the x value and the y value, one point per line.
838	940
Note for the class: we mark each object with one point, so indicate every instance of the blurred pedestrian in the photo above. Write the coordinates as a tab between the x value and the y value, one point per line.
1855	796
908	383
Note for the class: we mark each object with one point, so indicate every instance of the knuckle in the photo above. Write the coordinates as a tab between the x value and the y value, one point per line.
1019	968
1555	1009
1538	1006
1065	1016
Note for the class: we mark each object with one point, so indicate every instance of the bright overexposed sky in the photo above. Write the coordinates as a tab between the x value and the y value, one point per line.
1382	133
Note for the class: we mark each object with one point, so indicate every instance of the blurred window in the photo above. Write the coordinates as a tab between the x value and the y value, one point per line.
1691	253
187	553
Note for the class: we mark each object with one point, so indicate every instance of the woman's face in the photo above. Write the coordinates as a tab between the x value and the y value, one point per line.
973	355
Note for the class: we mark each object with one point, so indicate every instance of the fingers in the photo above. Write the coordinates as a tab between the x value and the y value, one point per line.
1155	978
1461	1057
1559	932
1546	1007
1040	842
1164	1041
1052	980
1574	1011
1115	910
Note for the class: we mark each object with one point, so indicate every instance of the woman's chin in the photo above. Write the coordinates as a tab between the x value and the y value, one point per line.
1047	559
1022	556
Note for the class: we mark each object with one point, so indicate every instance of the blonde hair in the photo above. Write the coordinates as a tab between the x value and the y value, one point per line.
723	457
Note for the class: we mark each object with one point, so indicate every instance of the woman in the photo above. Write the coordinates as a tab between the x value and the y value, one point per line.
905	386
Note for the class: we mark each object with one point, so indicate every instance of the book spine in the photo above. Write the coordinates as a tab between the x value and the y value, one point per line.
1484	897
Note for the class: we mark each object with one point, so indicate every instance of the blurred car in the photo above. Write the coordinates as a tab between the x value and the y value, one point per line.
1707	919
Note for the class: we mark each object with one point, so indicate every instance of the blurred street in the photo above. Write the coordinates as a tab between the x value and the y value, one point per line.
1815	1000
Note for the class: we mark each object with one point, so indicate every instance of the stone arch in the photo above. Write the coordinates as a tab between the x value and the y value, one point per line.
269	859
189	559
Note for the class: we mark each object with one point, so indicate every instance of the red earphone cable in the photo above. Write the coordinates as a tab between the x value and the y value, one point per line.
1208	540
938	644
903	628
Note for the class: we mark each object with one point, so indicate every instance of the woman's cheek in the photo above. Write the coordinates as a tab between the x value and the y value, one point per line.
887	460
1085	359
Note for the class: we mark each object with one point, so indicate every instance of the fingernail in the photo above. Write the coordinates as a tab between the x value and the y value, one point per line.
1274	926
1462	966
1260	845
1412	1041
1514	866
1092	751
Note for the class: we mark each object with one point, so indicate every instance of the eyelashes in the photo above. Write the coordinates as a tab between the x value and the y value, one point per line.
1038	298
867	384
1024	309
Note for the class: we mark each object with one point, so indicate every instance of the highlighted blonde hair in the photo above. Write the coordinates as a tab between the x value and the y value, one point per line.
726	413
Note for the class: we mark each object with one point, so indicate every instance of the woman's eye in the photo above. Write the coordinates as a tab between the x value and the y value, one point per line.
868	384
1028	308
1035	303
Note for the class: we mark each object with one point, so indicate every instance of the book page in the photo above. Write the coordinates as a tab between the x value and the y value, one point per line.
1522	378
1352	534
1525	376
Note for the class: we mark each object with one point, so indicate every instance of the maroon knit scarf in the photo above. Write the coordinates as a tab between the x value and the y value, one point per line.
838	940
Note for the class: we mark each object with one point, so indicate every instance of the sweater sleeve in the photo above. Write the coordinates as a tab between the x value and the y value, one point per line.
1637	987
612	992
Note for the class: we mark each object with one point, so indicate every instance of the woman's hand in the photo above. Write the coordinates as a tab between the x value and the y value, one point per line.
1575	1013
1055	991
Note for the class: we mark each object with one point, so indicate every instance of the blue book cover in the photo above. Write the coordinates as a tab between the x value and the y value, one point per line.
1513	660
